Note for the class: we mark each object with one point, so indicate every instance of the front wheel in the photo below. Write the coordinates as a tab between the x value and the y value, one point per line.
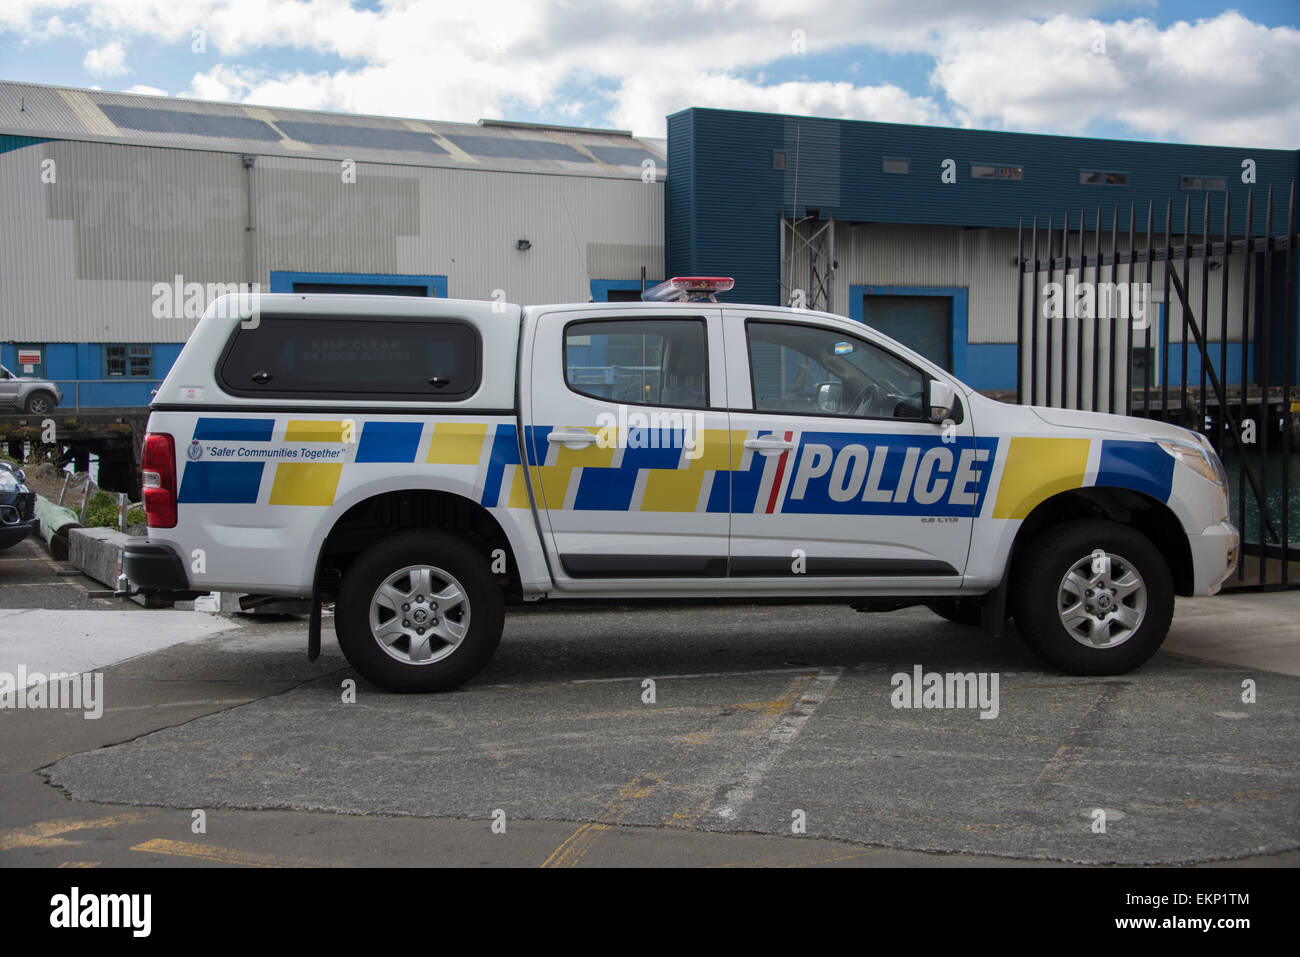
419	612
1093	597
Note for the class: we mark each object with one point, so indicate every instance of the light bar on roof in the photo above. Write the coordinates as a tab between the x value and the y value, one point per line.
689	289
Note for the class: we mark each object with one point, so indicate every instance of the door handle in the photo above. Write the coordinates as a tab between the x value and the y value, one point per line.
768	446
571	438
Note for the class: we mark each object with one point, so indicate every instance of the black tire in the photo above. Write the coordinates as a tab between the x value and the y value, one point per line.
1042	598
959	611
451	561
39	403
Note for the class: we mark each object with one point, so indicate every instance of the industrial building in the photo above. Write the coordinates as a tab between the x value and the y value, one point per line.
913	229
125	214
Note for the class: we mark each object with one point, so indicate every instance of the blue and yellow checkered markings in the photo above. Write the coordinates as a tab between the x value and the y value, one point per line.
1138	465
225	483
505	451
611	489
389	442
902	475
234	430
745	483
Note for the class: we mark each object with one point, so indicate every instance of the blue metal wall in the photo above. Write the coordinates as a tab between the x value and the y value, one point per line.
68	362
723	199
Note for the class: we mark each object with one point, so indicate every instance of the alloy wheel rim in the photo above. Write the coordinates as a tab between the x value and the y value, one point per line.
419	614
1102	600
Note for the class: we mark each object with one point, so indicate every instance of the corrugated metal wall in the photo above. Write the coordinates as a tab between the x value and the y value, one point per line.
82	254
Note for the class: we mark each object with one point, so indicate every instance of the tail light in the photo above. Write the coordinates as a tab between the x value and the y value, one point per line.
158	474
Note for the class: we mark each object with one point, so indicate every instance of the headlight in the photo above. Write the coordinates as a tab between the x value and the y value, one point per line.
1202	461
8	481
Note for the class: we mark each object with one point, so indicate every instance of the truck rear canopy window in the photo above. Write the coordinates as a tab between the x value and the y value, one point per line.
426	360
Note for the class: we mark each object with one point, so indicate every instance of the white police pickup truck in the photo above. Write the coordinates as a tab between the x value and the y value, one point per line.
423	463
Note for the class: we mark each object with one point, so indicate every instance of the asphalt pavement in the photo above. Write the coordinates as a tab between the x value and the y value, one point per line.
704	735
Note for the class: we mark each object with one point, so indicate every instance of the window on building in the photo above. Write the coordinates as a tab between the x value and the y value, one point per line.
778	159
895	165
133	361
646	362
1093	177
1205	182
987	171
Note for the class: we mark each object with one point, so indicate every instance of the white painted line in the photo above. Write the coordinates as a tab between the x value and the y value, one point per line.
702	674
48	640
778	742
640	678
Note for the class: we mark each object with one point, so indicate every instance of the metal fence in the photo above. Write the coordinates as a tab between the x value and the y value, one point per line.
90	395
1115	353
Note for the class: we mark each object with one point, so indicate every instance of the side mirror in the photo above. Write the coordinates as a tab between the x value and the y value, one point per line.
829	397
942	400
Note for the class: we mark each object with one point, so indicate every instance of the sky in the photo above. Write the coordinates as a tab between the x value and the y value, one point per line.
1193	72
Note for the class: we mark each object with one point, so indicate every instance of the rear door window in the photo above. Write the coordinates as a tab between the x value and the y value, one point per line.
639	362
323	357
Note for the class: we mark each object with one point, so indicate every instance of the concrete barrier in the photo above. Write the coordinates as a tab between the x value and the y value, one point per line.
97	552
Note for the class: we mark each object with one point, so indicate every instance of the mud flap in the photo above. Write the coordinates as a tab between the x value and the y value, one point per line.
993	613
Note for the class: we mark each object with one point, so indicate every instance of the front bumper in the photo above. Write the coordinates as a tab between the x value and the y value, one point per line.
154	567
1215	553
14	532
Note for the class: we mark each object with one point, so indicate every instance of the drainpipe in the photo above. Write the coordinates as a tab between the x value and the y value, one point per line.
251	228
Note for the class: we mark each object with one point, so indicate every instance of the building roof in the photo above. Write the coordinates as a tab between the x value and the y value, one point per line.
53	112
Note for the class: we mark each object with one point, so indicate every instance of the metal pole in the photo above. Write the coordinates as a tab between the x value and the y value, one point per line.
1245	374
1020	313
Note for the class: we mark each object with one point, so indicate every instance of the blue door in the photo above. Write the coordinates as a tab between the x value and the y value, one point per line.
922	323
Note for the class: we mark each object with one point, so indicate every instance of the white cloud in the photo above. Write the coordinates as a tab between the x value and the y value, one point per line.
145	90
644	101
108	60
628	63
1226	80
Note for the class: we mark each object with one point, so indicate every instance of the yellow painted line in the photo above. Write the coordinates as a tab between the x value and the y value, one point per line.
80	864
575	847
213	854
46	834
809	862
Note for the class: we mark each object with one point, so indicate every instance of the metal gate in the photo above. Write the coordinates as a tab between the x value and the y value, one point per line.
1214	349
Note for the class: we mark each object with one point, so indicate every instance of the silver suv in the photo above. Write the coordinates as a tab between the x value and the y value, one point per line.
30	395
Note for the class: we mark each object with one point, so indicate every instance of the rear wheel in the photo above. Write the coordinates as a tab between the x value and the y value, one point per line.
419	612
1093	597
38	403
